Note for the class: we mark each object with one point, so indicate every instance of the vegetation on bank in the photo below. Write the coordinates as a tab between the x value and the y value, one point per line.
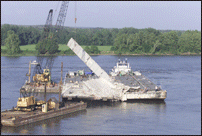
125	41
47	45
29	50
151	41
12	43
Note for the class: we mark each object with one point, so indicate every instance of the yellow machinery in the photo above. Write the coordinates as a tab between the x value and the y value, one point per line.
42	78
28	103
53	104
45	77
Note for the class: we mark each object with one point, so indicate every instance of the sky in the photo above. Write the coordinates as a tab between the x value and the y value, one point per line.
160	15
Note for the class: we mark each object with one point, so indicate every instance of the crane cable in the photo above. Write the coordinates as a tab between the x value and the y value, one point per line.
75	19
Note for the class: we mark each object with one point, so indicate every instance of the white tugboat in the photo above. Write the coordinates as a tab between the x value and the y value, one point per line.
121	66
140	86
121	84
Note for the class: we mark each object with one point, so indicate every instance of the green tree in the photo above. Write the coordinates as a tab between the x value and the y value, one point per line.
98	38
52	46
95	50
149	39
92	50
41	46
121	43
169	42
4	29
156	44
114	33
135	46
48	45
12	42
129	30
190	41
87	49
152	30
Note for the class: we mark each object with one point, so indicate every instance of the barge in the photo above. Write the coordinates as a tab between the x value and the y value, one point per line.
38	80
121	84
29	87
30	110
18	118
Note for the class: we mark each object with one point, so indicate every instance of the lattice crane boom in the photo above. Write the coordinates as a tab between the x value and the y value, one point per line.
48	25
47	28
62	14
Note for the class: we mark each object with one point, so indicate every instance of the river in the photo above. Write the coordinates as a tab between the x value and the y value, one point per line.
180	113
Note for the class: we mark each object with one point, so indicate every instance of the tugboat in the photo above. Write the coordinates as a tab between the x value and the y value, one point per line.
140	86
121	66
121	84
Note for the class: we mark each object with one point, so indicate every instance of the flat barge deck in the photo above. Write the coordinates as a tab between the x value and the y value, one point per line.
121	84
78	88
18	118
40	89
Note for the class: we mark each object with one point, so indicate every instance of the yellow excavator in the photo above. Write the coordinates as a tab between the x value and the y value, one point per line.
28	103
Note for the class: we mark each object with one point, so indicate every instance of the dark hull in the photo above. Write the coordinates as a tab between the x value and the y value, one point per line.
17	118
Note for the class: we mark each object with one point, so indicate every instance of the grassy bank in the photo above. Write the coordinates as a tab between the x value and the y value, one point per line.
29	50
63	47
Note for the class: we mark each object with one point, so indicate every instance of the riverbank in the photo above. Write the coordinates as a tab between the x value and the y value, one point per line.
102	53
29	50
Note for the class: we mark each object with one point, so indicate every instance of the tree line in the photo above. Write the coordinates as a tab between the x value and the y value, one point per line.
153	41
123	41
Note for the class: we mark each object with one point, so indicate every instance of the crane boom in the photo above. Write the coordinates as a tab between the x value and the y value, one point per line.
48	25
46	31
62	14
47	28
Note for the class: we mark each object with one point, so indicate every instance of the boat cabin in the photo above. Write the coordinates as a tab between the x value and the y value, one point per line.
121	67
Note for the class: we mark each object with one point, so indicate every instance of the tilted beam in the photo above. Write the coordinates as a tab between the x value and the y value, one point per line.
85	57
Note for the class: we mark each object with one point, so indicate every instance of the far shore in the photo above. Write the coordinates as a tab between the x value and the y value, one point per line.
29	50
109	53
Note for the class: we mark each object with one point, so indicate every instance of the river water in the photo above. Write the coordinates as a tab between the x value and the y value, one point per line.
180	113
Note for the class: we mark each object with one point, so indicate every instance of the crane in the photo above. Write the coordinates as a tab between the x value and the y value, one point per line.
43	74
39	74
